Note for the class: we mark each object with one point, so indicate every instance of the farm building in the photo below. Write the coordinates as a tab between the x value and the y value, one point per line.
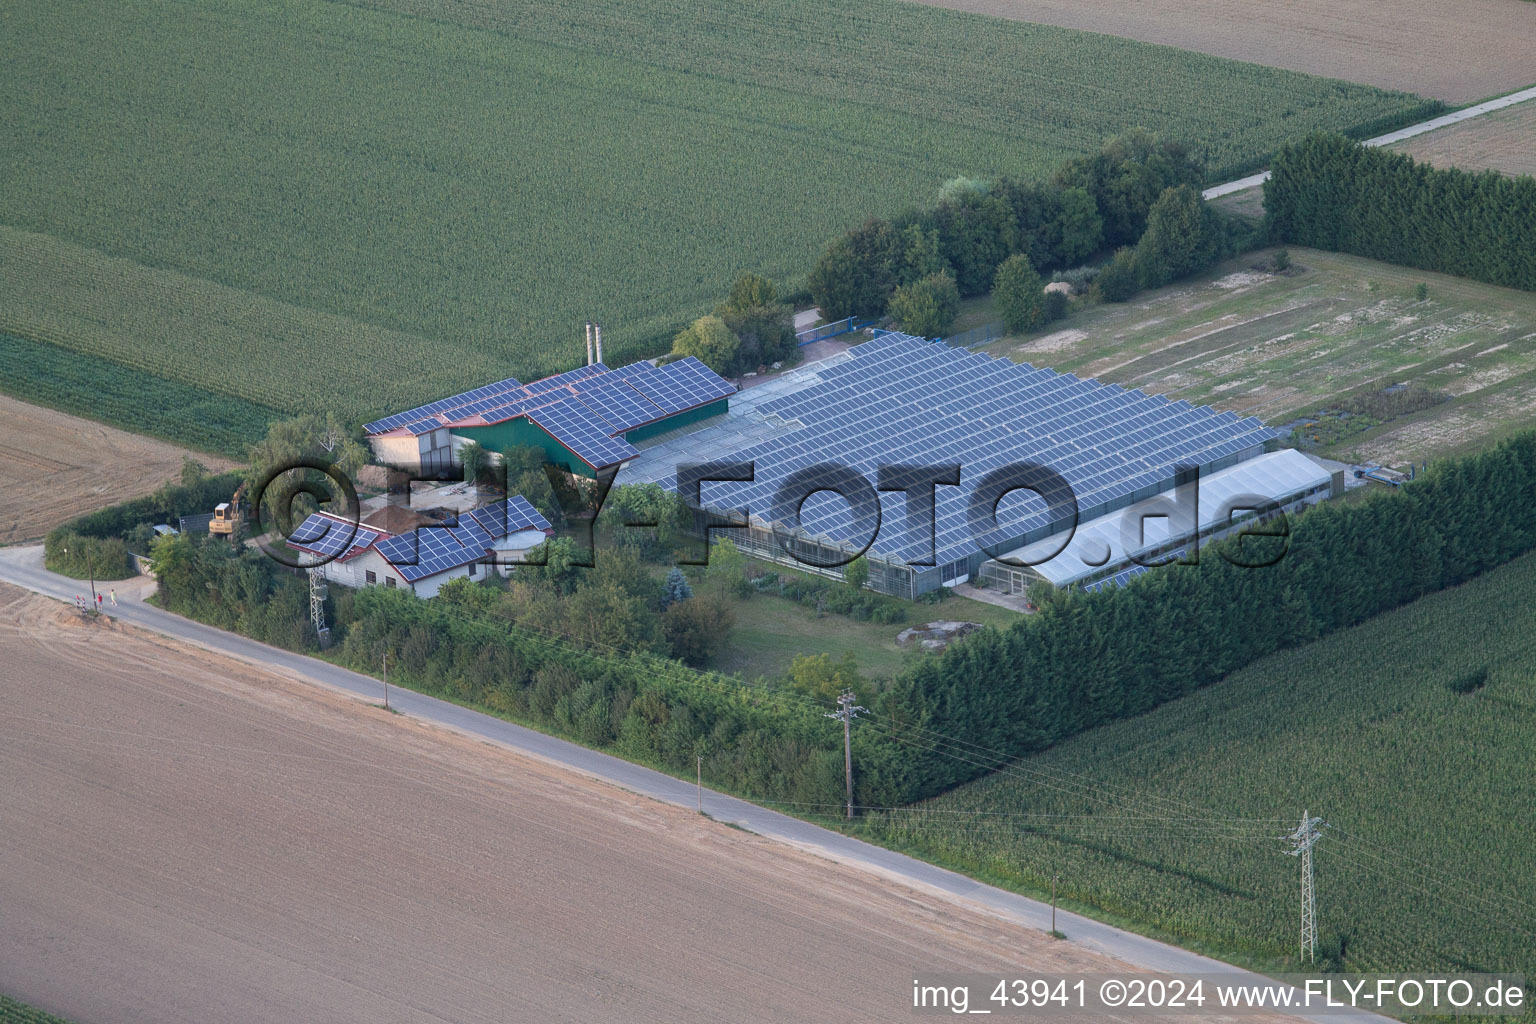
1111	549
903	400
587	419
428	556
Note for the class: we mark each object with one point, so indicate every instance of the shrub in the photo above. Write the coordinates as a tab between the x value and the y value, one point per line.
1080	278
1120	278
1019	294
1057	305
80	557
926	308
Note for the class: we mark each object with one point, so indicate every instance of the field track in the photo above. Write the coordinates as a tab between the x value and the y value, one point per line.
192	839
1457	52
1502	141
54	467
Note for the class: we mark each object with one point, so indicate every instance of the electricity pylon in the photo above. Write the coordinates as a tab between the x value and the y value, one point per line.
1302	840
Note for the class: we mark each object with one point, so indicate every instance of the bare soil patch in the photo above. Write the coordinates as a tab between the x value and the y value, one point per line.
54	466
1504	140
1457	52
187	838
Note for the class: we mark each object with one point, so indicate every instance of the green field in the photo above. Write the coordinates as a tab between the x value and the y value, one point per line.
307	205
12	1012
1332	330
1413	735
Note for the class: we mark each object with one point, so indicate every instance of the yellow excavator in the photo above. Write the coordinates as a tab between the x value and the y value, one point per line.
228	515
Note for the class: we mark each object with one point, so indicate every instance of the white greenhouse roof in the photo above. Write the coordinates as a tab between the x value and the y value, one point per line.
1099	543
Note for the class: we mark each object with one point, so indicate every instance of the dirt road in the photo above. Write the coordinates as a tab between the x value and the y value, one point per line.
1457	52
54	467
187	838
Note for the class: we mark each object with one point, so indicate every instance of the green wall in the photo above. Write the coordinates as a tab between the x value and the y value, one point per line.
682	419
522	432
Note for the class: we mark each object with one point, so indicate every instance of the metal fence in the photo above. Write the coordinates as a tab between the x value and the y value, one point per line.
977	335
812	335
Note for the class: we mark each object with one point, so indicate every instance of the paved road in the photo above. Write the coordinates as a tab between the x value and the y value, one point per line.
1466	113
23	566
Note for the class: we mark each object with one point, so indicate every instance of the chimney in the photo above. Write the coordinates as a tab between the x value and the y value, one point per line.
589	342
599	342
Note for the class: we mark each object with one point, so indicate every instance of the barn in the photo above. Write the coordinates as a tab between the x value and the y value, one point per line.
587	419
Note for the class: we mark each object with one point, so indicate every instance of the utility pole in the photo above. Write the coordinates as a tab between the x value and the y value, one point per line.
1053	904
386	679
1302	840
846	712
700	782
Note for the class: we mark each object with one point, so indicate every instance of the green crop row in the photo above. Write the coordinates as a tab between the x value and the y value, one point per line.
1410	734
130	398
354	208
12	1012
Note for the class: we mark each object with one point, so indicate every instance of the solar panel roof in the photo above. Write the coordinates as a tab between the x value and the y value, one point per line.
331	537
584	402
905	400
433	549
571	423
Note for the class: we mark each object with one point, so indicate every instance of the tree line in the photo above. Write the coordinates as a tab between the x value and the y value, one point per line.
1138	197
1329	192
1081	661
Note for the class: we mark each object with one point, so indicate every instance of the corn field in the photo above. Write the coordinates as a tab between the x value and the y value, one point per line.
360	207
1413	735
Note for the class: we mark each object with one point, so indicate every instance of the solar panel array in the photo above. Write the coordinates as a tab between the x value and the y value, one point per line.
681	385
584	403
433	549
904	400
332	538
619	405
428	549
571	423
423	412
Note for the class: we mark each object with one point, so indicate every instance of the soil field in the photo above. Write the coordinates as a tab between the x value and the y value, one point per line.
1334	328
1458	53
54	467
186	838
1504	140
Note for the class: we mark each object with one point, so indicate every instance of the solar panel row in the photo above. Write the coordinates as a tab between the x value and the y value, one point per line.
389	423
904	400
571	424
330	537
586	401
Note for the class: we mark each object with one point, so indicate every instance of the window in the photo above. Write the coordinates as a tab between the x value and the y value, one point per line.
389	581
370	576
471	570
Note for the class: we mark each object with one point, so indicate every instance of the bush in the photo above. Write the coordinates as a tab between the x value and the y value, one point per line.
709	341
80	557
926	308
696	629
1080	278
1019	294
1121	277
1057	305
